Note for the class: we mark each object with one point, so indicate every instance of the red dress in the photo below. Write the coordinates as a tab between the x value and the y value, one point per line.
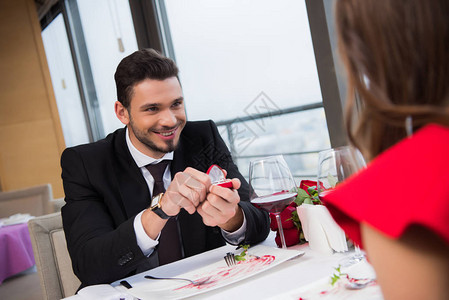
407	184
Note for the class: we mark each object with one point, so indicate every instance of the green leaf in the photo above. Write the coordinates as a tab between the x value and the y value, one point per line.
334	279
299	201
241	256
245	247
295	216
316	200
295	219
313	192
332	180
308	201
302	193
310	190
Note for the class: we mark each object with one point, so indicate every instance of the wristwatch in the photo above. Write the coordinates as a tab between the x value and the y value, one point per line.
156	207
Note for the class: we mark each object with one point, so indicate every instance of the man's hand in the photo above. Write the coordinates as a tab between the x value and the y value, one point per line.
187	190
221	207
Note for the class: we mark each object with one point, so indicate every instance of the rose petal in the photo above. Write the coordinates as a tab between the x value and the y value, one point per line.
305	184
293	204
286	220
291	237
286	217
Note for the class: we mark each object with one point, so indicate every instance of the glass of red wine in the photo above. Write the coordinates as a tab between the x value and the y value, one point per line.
272	187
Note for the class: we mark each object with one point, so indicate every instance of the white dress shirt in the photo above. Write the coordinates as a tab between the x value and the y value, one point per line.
146	243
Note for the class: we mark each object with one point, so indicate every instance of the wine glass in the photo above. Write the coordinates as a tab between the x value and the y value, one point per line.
334	166
272	187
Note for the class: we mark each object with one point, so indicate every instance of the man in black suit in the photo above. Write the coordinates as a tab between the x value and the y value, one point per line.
115	225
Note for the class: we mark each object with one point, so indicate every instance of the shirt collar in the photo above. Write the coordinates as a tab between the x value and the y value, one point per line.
141	159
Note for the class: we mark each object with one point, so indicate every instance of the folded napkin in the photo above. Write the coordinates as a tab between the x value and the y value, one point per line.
320	229
16	219
103	292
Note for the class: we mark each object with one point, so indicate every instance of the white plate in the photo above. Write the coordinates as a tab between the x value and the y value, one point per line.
215	268
323	290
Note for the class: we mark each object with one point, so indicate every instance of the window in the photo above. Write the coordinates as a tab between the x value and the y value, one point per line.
100	34
248	65
109	34
242	60
65	86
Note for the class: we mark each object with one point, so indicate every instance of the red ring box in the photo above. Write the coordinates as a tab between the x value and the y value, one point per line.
217	177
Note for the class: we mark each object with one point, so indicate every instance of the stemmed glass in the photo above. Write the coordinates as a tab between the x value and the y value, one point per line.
272	187
334	166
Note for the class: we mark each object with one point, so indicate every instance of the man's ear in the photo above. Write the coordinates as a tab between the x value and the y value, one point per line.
121	112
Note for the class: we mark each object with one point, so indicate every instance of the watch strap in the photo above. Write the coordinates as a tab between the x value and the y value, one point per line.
157	209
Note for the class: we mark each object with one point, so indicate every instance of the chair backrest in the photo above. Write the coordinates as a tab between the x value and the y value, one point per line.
35	201
53	262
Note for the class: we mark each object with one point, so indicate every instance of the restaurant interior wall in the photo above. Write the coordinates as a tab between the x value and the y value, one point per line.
31	138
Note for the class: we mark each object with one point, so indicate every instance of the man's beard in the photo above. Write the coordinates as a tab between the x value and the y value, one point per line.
142	136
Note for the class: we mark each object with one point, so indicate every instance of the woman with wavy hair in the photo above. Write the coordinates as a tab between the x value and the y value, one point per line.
396	56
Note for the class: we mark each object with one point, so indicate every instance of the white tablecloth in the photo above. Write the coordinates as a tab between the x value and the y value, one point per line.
307	275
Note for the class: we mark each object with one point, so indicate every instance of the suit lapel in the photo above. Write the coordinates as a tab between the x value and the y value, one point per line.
191	152
134	192
178	164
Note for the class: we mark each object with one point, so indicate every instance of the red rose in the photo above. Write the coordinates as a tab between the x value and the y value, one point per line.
291	237
305	184
286	216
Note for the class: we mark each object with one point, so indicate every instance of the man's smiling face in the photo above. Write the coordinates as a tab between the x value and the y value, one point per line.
155	116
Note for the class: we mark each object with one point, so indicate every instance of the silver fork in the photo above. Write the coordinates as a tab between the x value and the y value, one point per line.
194	282
230	259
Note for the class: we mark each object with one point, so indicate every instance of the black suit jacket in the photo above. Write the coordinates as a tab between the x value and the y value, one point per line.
104	190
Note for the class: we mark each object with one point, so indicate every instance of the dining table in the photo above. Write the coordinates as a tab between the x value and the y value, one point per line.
16	251
268	273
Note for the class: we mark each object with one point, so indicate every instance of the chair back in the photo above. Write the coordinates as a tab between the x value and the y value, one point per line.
35	201
53	262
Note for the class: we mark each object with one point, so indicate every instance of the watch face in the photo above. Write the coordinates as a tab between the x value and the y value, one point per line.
157	209
155	201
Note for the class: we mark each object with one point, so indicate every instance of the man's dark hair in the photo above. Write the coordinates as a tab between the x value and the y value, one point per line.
138	66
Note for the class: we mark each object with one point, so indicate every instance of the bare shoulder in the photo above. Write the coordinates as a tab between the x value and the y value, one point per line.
415	266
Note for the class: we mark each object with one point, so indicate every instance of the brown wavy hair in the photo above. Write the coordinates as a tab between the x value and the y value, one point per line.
396	55
138	66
